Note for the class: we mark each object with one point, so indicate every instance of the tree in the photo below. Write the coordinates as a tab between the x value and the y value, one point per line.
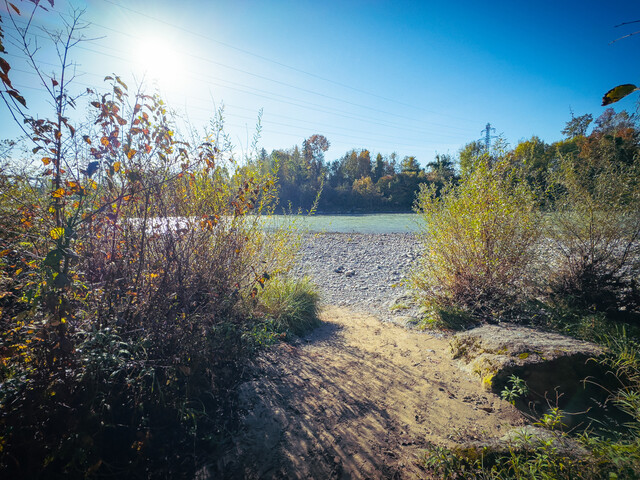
378	169
392	164
356	165
611	122
409	165
577	126
366	190
314	148
469	155
441	169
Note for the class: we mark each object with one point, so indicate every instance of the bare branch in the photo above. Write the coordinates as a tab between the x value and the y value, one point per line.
627	23
625	36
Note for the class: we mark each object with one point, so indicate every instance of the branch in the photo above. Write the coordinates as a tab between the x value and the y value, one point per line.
625	36
627	23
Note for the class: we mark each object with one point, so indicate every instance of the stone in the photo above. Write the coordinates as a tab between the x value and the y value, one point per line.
553	366
493	353
525	439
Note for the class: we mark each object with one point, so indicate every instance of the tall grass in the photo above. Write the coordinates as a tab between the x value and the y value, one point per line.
291	305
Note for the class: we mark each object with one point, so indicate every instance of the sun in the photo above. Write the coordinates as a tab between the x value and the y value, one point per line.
160	61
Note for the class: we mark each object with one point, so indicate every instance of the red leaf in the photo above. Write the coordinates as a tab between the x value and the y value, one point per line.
4	65
18	97
5	80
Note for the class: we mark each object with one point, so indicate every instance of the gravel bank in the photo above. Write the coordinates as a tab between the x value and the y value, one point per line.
365	272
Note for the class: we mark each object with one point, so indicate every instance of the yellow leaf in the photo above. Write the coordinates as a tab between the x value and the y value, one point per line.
104	141
18	271
618	93
56	233
46	160
116	166
59	193
131	153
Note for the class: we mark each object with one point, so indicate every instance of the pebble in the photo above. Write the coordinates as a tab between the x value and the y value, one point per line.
367	272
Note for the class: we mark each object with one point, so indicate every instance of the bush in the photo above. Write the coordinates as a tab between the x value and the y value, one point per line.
123	314
594	255
479	242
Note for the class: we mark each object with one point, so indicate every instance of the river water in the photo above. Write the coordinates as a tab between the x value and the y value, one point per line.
373	223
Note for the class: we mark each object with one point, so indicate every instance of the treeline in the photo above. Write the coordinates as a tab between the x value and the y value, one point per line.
357	182
361	181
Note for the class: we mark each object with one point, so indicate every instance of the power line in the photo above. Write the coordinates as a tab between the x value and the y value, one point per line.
276	62
324	126
285	84
268	95
286	99
316	107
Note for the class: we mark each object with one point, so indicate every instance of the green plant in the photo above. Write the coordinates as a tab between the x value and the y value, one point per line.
594	251
517	389
552	420
479	240
126	282
290	304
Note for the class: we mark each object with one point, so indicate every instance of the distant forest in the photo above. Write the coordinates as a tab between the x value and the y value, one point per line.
361	182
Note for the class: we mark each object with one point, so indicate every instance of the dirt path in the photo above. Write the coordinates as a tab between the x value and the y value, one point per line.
357	398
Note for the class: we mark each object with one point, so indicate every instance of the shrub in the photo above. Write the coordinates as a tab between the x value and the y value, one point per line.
594	255
479	240
123	311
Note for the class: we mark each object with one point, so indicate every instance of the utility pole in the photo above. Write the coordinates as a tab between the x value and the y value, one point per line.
487	136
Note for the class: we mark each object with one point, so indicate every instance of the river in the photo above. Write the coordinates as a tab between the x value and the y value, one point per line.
370	223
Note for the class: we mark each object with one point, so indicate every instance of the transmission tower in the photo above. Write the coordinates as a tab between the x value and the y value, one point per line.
487	136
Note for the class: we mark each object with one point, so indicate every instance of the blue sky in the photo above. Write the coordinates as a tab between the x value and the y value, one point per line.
410	77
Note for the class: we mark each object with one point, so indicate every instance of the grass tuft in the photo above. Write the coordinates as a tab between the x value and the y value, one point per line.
291	304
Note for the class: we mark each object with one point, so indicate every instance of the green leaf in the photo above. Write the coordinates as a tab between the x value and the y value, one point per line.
618	93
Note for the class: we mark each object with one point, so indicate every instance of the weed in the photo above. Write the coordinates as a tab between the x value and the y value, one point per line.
517	389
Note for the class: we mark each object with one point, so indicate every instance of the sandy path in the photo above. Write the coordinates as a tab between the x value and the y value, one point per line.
357	399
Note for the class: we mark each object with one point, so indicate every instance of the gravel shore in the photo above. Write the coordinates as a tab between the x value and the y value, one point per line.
365	272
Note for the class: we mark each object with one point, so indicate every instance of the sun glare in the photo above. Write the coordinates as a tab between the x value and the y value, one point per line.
160	62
